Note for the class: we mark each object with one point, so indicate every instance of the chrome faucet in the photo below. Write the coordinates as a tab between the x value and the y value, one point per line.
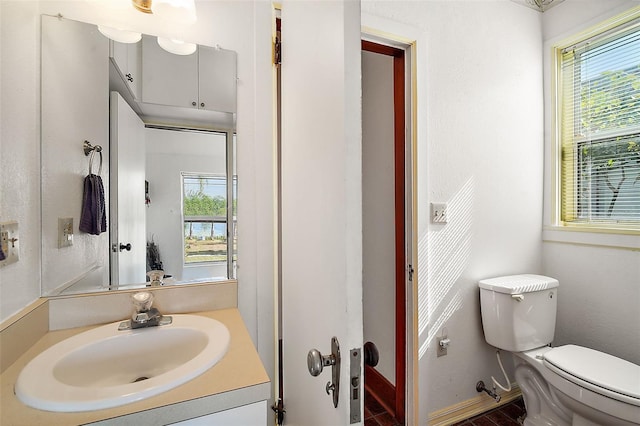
143	314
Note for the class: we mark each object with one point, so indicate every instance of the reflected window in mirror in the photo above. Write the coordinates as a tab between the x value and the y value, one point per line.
204	212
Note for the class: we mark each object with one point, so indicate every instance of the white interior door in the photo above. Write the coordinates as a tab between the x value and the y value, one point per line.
321	202
128	265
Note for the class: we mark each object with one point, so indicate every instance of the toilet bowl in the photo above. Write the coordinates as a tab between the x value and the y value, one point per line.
578	386
567	385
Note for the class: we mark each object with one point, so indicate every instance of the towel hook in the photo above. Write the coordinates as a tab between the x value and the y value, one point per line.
90	149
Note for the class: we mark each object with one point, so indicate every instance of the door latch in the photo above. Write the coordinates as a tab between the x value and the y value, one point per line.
316	363
355	386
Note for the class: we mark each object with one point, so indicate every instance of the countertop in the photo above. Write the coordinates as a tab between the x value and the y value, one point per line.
238	379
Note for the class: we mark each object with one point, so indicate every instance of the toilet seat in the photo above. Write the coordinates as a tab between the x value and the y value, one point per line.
599	372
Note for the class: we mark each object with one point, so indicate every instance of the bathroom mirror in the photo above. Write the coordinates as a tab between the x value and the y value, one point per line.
160	133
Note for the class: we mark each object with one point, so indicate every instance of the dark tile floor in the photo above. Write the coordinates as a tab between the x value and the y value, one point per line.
506	415
375	414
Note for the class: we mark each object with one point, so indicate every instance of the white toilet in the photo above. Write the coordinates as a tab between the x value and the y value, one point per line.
567	385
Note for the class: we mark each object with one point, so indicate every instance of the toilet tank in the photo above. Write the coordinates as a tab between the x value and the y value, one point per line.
519	311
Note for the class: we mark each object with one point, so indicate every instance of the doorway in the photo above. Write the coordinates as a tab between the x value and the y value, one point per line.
384	198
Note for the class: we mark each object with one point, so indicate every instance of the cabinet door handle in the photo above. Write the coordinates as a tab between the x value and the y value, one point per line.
202	104
129	77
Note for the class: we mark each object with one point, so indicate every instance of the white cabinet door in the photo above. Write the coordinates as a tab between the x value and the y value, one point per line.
203	80
168	79
128	266
127	58
217	79
248	415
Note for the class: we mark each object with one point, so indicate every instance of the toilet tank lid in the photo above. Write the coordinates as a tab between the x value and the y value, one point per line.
517	284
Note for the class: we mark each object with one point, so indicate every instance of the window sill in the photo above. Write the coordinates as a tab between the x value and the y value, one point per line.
624	239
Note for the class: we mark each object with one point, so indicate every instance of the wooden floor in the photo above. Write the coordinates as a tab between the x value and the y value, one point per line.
507	415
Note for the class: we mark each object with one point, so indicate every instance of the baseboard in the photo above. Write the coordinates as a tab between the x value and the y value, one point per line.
380	388
471	407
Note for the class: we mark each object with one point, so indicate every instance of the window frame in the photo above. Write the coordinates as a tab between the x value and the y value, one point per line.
202	218
231	197
557	224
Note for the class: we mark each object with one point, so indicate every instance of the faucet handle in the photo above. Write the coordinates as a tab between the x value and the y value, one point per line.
142	301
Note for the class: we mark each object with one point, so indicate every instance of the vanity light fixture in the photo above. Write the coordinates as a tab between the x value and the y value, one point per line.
176	11
142	5
117	34
177	47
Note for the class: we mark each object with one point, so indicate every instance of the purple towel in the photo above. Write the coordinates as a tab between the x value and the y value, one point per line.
93	218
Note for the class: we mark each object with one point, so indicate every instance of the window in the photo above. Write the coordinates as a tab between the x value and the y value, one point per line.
598	106
204	209
204	212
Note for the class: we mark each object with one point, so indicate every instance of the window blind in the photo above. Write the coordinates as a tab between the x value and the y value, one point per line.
599	95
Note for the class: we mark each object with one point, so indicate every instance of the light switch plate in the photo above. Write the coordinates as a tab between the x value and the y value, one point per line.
10	242
65	232
438	212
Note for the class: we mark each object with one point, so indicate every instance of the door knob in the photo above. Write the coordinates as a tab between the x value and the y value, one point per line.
316	363
371	354
126	247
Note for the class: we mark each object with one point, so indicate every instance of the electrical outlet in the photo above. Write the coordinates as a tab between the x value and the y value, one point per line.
10	243
443	345
65	232
438	212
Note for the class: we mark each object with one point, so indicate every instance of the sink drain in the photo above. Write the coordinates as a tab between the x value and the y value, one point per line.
139	379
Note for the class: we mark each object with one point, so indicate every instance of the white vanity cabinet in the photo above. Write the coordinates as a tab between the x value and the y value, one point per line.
204	80
127	58
248	415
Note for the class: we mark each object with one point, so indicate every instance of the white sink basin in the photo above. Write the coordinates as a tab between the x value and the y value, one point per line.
104	368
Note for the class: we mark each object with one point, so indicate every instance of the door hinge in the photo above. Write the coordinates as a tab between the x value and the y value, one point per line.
277	50
278	408
410	272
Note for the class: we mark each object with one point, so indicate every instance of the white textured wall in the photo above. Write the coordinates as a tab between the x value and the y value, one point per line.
20	149
598	299
479	100
599	296
66	122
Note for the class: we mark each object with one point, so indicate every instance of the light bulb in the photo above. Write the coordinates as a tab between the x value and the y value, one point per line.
177	47
122	36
